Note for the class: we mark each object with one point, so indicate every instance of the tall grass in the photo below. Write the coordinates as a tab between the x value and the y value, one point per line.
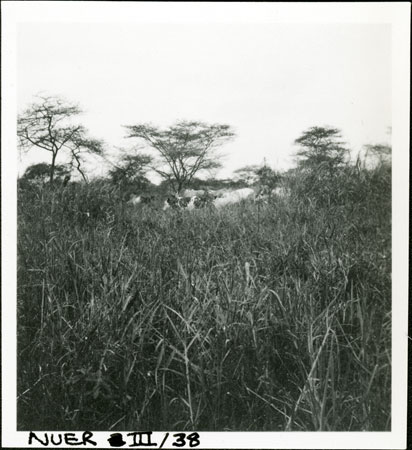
257	317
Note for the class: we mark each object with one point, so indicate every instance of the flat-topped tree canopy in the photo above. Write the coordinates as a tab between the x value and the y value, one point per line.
185	148
320	147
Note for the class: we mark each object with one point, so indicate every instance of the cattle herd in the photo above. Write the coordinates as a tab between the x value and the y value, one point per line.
194	199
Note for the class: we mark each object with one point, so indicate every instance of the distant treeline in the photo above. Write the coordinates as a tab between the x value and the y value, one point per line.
183	155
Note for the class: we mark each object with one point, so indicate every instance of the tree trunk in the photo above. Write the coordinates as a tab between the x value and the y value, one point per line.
179	186
52	166
79	167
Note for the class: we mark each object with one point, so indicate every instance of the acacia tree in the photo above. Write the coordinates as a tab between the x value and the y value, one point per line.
247	174
45	124
322	165
321	147
184	149
81	145
382	152
269	179
131	170
264	177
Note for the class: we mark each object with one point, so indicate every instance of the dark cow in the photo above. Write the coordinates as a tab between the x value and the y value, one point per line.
190	203
148	199
176	202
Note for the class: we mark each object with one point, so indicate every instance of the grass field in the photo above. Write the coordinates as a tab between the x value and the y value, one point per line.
263	317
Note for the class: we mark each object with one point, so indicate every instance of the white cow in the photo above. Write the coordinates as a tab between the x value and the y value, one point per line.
141	199
226	197
192	203
232	197
193	192
280	191
135	200
219	192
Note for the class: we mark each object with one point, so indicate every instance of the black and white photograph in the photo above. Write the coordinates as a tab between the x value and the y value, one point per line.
205	224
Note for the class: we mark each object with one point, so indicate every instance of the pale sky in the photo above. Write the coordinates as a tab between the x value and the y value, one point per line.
268	81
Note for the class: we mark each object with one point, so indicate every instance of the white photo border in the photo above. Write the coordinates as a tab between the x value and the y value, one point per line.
395	14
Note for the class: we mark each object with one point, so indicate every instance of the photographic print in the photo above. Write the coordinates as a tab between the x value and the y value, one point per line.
205	222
